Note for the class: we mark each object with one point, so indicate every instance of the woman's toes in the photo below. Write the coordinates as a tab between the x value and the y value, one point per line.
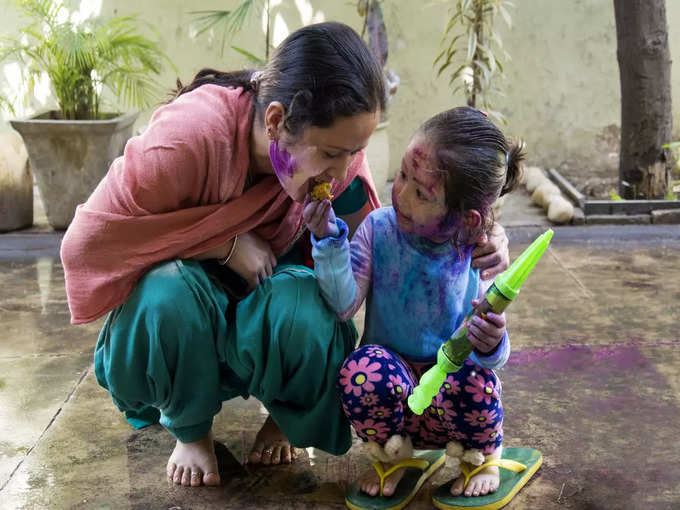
196	477
211	479
170	470
286	455
255	456
276	455
267	456
178	475
186	477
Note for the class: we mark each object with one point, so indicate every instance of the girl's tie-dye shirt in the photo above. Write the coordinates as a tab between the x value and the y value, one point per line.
417	292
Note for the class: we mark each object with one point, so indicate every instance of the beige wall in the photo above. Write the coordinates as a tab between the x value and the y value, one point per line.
562	87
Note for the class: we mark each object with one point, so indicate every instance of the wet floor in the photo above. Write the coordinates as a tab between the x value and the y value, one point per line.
593	382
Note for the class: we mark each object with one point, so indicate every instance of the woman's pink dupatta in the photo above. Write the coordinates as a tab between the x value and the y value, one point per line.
177	191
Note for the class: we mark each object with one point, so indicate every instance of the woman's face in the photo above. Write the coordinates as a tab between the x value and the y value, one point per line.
418	195
320	154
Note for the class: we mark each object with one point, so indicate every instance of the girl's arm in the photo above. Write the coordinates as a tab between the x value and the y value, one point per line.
344	274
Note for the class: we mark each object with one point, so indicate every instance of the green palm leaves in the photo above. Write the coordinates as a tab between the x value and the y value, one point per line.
81	59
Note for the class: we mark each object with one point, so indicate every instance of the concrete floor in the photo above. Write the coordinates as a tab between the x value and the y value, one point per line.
593	382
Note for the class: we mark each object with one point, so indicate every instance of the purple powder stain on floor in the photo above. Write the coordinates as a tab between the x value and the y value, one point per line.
603	413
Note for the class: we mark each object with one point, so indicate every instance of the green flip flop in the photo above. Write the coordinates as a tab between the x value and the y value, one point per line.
517	466
419	469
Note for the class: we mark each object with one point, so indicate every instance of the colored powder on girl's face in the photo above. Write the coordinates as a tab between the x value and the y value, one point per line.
439	229
283	163
418	157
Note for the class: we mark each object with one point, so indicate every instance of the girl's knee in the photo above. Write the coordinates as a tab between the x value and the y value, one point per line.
371	371
376	353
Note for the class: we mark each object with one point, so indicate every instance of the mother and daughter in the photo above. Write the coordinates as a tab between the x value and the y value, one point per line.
197	245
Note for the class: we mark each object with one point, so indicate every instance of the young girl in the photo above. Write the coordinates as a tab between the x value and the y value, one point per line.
411	262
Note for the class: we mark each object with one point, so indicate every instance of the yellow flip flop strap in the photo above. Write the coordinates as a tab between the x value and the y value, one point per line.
511	465
421	464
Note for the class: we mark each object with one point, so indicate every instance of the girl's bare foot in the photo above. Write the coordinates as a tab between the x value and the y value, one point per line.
483	483
369	481
194	464
271	446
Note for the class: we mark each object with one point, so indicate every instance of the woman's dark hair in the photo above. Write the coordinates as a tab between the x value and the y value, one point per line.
318	73
476	161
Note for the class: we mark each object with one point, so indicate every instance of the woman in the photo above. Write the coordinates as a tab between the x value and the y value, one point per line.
210	197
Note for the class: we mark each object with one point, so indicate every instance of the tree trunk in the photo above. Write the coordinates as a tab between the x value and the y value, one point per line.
646	115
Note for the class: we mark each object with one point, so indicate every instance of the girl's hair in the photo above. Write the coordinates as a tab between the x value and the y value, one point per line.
318	73
476	161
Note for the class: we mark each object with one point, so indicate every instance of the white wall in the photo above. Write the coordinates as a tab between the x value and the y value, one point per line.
562	88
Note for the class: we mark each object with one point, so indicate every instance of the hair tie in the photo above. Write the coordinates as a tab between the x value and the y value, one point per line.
507	159
255	79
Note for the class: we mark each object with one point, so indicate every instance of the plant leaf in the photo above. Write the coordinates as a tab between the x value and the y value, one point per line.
505	14
253	59
472	45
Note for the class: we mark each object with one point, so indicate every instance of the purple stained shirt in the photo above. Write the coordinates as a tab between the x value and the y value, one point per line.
417	292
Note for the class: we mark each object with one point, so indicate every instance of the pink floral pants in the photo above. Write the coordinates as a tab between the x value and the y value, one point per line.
374	383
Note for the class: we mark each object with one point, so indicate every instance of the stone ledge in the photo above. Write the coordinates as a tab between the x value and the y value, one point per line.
579	217
618	219
596	208
665	217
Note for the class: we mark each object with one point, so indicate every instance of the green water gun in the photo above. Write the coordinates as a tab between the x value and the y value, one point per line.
453	353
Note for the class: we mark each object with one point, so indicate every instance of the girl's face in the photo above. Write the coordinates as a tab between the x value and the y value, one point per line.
320	154
418	195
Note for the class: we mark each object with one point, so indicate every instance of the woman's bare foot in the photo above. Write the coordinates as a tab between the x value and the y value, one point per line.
194	464
483	483
369	481
271	446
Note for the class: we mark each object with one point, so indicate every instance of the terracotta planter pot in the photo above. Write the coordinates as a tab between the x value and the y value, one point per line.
69	158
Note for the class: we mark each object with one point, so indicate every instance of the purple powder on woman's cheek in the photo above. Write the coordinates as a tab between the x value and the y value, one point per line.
282	161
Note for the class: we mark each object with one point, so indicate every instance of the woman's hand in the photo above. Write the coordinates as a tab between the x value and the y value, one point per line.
320	218
252	259
485	333
491	254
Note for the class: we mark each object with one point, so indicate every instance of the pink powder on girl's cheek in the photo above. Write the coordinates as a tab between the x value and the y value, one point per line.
418	157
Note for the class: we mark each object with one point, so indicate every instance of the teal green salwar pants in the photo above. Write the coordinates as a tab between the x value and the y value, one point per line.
177	348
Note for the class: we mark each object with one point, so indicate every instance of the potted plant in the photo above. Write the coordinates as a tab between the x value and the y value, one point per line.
472	40
71	149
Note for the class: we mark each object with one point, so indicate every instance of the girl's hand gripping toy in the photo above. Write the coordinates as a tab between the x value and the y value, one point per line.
454	352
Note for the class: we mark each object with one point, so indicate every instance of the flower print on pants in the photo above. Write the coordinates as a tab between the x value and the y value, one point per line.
375	382
359	376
